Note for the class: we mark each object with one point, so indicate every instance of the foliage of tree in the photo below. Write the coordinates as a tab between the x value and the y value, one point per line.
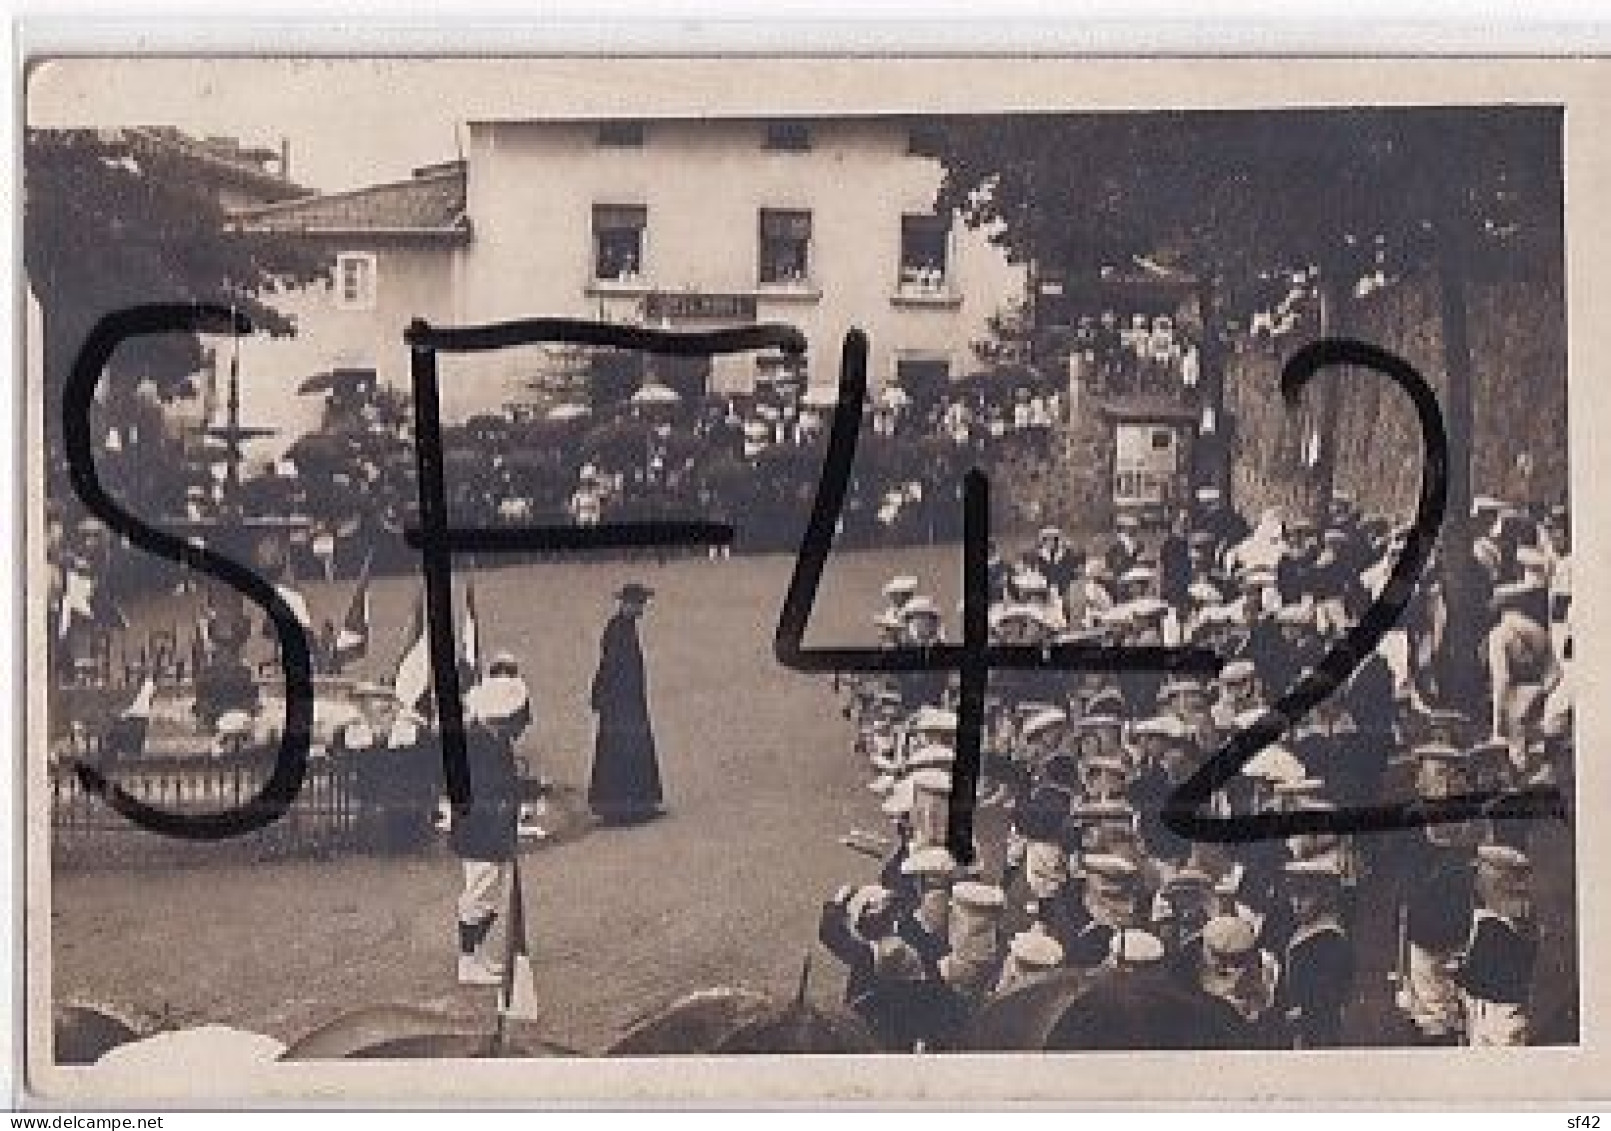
109	224
1244	198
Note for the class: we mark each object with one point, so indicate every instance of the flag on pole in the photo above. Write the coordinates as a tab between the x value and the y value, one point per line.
352	641
412	682
470	640
125	735
78	593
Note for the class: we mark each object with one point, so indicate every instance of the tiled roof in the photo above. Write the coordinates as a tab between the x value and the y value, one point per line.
431	203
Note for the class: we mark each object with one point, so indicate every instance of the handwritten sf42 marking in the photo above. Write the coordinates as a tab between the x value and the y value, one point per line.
972	660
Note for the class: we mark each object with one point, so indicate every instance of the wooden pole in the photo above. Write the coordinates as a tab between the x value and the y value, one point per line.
1462	584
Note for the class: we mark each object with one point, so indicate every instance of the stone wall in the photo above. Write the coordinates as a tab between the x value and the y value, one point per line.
1518	344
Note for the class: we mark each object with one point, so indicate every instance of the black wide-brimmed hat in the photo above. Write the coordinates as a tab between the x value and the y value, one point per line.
634	591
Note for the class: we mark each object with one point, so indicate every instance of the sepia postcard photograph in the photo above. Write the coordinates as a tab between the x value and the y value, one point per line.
767	578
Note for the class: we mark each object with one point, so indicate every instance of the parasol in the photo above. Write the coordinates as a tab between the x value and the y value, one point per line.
654	393
905	1015
732	1020
404	1032
1107	1009
800	1027
693	1023
221	1048
85	1033
568	412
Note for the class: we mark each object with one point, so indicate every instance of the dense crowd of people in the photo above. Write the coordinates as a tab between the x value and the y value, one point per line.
1136	355
1075	877
757	455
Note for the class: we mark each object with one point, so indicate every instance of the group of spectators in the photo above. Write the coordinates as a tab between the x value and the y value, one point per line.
1136	355
1163	941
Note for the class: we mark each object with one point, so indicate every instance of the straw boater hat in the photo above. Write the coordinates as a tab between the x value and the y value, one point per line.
900	799
1107	701
1228	936
1146	610
1043	720
903	585
887	620
1030	581
931	756
920	606
1139	574
1167	727
934	720
1238	671
1035	950
495	699
1131	947
932	861
1503	861
1010	614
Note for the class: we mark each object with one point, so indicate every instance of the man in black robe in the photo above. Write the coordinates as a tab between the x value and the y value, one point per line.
625	785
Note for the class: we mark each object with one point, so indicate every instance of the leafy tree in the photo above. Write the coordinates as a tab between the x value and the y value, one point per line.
109	224
1246	200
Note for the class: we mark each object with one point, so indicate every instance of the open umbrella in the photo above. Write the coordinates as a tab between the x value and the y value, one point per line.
904	1015
800	1027
696	1022
85	1033
1107	1010
654	393
738	1021
403	1032
220	1047
566	412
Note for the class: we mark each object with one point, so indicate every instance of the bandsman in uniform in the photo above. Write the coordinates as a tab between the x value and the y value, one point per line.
1318	970
1495	976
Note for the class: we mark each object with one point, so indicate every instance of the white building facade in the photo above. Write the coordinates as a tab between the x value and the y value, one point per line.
684	223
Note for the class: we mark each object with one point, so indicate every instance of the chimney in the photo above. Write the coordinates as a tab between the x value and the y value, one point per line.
285	158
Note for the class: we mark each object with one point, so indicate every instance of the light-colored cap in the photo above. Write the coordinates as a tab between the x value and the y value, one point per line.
936	720
1135	948
1237	670
1228	935
1320	868
900	586
495	699
984	897
930	781
931	860
919	606
931	756
1036	950
1030	581
1503	857
1044	720
1109	866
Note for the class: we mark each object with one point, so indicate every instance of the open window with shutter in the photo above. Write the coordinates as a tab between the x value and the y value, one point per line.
618	231
785	246
925	254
